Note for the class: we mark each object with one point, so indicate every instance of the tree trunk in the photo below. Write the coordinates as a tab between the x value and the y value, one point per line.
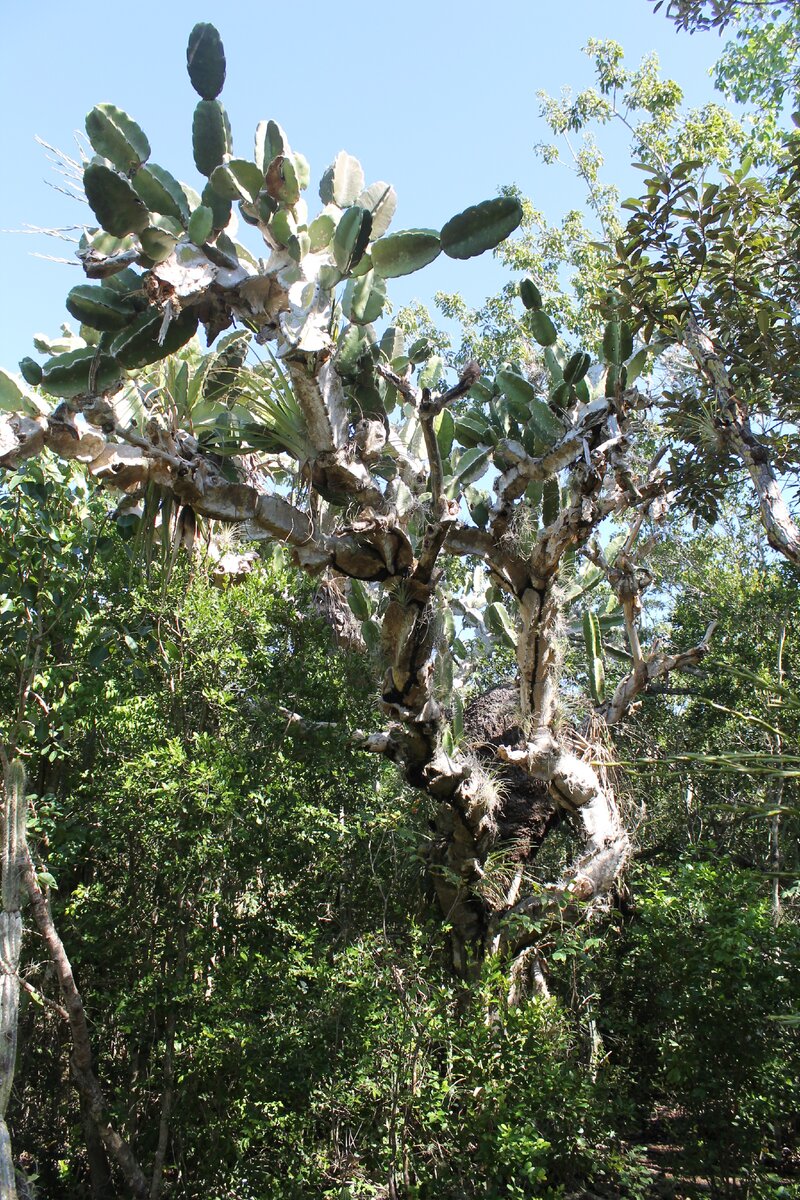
83	1075
14	850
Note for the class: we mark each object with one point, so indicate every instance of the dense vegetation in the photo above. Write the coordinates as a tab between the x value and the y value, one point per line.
304	968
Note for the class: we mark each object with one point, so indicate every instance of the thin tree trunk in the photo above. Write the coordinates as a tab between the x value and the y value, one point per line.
168	1095
14	848
81	1062
99	1170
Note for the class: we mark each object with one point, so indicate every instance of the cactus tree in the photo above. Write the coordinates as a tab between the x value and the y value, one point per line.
385	448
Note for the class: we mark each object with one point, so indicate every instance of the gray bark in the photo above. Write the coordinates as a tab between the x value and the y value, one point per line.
13	853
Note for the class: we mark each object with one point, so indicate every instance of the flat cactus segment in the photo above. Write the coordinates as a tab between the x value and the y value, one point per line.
617	342
364	298
158	242
481	227
220	207
201	223
80	373
117	137
161	192
31	371
577	367
542	327
351	238
205	61
380	199
237	179
269	143
138	345
405	252
113	201
211	136
281	182
530	295
103	308
321	231
516	387
343	181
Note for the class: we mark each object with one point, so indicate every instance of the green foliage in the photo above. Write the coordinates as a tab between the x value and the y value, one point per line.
704	980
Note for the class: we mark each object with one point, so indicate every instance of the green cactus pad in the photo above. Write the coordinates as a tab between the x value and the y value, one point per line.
616	380
237	179
270	142
302	170
138	345
211	136
220	207
617	342
103	308
364	298
205	61
404	252
577	367
530	295
551	501
30	371
80	373
342	182
201	223
161	192
113	201
321	231
117	137
351	238
380	199
542	328
281	182
544	423
481	227
158	243
516	387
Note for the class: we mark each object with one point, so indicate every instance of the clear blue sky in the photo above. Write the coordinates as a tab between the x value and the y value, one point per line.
438	98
